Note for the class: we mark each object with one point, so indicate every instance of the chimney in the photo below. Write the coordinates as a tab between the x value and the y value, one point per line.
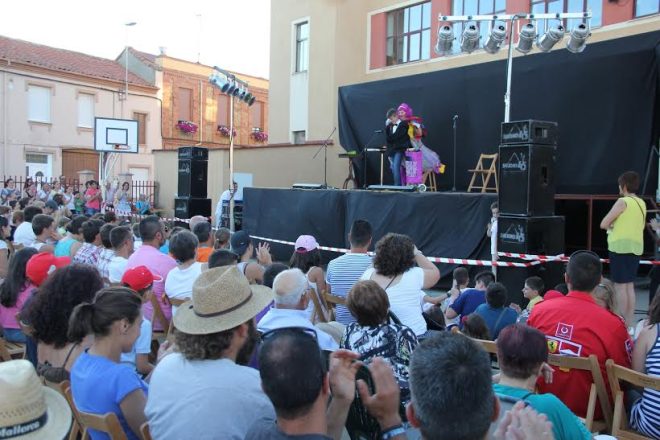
163	50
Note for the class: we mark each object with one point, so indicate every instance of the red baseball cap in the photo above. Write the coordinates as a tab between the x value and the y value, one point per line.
139	278
39	266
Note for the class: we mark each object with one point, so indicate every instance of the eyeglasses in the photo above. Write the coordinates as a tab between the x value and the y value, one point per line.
299	330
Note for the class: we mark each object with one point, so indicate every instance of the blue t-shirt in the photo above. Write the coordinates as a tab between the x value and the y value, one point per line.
99	385
502	317
468	301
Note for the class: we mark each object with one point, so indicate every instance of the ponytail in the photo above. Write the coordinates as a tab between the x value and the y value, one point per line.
81	322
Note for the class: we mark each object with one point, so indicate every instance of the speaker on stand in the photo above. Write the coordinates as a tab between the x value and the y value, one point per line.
192	192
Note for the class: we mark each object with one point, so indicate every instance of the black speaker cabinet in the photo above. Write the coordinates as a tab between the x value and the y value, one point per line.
530	235
527	179
199	153
186	207
193	177
529	131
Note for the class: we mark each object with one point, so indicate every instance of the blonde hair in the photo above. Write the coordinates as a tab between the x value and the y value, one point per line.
605	295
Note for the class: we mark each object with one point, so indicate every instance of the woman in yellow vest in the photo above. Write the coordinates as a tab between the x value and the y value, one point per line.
625	241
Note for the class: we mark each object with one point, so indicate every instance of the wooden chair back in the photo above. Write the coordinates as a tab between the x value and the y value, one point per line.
107	423
597	392
485	172
617	374
11	350
160	316
144	431
319	314
64	388
489	346
332	301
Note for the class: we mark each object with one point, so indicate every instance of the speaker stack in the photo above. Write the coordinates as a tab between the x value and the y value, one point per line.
193	177
527	224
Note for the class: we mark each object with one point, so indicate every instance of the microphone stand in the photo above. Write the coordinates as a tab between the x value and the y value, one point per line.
364	152
455	118
325	158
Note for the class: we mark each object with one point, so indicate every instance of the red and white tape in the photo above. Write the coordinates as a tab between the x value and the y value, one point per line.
561	258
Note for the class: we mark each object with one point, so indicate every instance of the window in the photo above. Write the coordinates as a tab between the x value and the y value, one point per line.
142	127
86	110
646	7
474	7
185	104
299	137
409	34
223	110
559	6
302	47
36	158
39	104
257	115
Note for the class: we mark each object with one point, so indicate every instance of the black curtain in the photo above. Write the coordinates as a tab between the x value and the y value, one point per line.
605	100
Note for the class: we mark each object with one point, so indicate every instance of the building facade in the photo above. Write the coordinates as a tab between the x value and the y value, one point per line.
188	96
318	46
49	98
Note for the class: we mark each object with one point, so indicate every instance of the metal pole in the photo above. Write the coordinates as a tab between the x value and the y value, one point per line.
232	226
454	165
509	69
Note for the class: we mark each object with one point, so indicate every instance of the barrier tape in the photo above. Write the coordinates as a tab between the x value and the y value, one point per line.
561	258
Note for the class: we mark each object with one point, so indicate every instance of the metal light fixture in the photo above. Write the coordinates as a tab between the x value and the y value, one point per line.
526	38
445	40
578	39
470	39
495	39
553	36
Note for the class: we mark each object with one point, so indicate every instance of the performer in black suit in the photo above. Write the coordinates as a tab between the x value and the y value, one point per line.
398	141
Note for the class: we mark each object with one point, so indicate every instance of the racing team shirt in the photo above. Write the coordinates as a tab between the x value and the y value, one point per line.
577	326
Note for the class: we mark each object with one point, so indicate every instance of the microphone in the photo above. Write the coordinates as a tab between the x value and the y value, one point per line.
455	117
378	131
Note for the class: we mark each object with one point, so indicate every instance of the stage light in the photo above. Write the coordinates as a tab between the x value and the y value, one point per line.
237	90
251	101
553	36
220	82
578	39
247	97
470	39
495	39
526	38
231	88
445	40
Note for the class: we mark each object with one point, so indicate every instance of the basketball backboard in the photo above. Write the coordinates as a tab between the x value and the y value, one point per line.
115	135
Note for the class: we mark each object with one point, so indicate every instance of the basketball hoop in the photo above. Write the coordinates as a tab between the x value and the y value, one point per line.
118	147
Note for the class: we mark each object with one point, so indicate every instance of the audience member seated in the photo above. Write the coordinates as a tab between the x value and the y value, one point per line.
91	249
48	315
532	291
242	246
43	227
522	353
459	285
100	384
141	281
183	247
291	291
69	245
206	239
345	271
203	389
195	220
24	235
14	292
605	296
107	252
153	234
5	232
645	408
475	327
468	301
395	271
494	311
122	241
577	326
222	237
136	234
270	272
222	257
374	336
293	376
307	257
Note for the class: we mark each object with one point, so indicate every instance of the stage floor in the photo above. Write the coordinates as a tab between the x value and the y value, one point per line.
442	224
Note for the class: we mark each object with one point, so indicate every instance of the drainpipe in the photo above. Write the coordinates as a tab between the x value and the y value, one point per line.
201	113
4	123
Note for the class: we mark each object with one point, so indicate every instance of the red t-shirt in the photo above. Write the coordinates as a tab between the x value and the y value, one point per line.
577	326
93	204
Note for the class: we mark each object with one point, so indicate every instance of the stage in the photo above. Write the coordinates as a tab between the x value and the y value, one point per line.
443	224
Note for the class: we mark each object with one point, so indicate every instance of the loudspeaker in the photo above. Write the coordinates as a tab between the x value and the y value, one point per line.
193	175
529	131
530	235
199	153
527	179
186	207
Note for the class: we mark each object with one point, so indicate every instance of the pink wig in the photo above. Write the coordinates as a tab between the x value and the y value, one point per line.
405	110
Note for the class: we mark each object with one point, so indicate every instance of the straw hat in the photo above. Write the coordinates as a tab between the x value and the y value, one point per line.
222	299
29	410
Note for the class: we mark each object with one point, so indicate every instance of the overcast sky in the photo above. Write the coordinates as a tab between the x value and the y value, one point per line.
235	35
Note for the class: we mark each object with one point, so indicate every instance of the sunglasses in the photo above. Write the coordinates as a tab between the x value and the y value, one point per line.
270	334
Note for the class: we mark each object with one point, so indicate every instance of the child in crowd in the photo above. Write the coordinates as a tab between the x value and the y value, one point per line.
475	327
532	291
78	202
491	231
143	206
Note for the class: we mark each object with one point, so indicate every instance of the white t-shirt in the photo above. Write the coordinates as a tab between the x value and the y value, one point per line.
24	234
142	344
204	399
3	245
404	298
493	237
116	268
179	282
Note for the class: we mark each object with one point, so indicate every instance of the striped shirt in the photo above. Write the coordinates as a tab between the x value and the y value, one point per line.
87	254
104	263
343	272
645	414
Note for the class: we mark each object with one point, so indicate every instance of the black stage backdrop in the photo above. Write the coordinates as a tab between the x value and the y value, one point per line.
440	224
606	101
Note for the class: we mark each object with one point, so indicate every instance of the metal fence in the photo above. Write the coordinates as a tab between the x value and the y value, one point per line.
147	187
